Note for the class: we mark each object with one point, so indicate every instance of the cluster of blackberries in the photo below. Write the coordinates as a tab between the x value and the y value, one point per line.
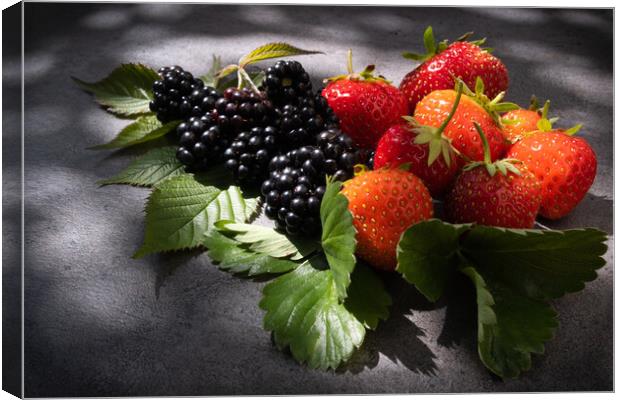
206	141
285	136
178	95
296	183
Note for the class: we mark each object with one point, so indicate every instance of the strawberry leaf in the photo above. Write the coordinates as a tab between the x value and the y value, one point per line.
338	236
235	257
181	210
126	91
427	255
150	169
143	129
538	264
305	314
273	50
367	298
510	326
262	239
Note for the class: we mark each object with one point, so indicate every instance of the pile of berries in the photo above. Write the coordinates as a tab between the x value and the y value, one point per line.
432	137
283	138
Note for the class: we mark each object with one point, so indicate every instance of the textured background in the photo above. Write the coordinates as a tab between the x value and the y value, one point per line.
99	323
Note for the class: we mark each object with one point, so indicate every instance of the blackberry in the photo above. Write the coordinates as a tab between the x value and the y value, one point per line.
250	152
341	155
286	82
237	111
300	123
202	141
296	184
178	95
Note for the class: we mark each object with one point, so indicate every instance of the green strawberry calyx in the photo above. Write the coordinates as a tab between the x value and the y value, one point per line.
437	142
494	107
366	75
503	166
433	47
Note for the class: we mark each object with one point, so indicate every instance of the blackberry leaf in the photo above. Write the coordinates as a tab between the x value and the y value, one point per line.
510	326
427	255
273	50
211	77
538	264
150	169
126	91
181	210
142	130
267	241
338	236
235	257
305	314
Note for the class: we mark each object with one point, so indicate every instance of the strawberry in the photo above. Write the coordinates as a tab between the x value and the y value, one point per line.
501	193
442	63
433	109
420	146
384	203
365	104
565	165
519	122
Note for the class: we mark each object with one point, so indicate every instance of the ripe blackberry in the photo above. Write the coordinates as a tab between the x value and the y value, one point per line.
302	122
202	141
249	154
178	95
286	82
237	111
341	155
296	184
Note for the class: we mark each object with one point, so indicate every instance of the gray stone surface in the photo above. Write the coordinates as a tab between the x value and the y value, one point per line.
100	323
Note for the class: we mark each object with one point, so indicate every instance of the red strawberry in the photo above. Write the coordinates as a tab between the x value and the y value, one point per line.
421	146
443	63
384	203
366	105
565	165
518	122
501	193
473	107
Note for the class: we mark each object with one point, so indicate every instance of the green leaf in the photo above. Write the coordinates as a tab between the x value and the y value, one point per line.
367	298
510	326
413	56
262	239
273	50
427	255
211	78
235	257
126	91
538	264
153	167
305	314
142	130
181	210
429	41
338	236
573	130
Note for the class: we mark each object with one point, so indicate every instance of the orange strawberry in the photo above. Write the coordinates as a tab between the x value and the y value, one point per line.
565	165
366	105
433	109
384	203
501	193
519	122
442	63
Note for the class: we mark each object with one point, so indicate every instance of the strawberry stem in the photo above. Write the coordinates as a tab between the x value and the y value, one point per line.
545	109
485	144
459	92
